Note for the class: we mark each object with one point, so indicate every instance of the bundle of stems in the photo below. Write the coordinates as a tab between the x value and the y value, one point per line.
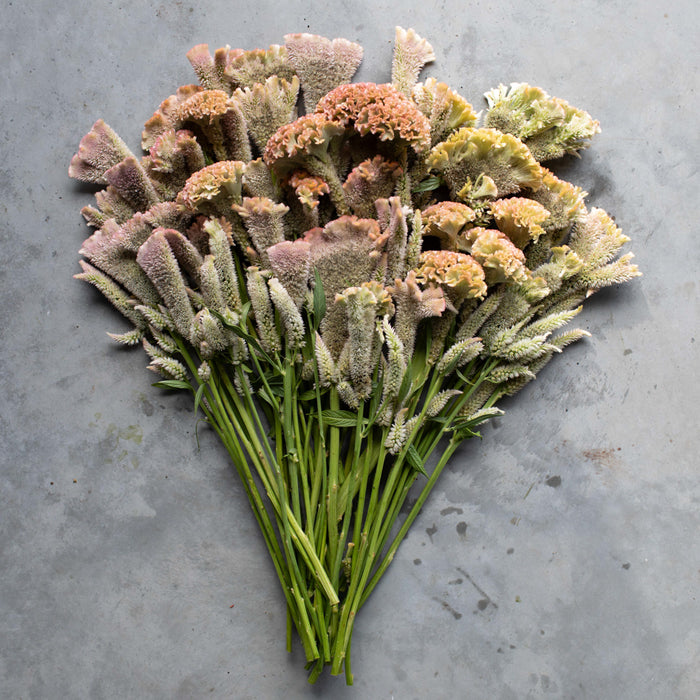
353	300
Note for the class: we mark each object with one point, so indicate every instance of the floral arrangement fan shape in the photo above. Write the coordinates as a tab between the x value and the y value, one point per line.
347	277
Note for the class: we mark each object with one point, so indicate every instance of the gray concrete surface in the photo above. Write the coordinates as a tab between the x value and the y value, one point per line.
559	557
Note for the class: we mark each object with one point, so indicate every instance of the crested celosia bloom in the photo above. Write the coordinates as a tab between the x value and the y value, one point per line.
377	109
446	220
218	185
519	218
297	296
454	272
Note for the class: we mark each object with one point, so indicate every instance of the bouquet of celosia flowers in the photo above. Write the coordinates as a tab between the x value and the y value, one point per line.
346	291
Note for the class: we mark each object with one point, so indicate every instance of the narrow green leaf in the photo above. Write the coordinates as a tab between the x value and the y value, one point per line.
428	185
414	460
319	298
198	397
172	384
340	419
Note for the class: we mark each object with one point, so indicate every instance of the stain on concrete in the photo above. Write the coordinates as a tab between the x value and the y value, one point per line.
461	528
431	531
553	481
450	510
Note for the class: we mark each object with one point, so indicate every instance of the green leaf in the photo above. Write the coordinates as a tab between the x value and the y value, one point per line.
414	460
198	397
172	384
319	298
428	185
340	419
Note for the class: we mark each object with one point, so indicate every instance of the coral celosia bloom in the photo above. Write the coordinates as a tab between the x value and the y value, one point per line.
460	272
377	109
446	220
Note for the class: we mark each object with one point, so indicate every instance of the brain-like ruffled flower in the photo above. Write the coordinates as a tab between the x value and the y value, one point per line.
308	188
165	117
493	250
446	220
308	135
212	190
470	153
519	218
564	201
369	181
454	272
380	110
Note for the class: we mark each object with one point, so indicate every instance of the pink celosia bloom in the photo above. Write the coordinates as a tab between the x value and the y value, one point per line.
377	109
446	220
457	272
321	63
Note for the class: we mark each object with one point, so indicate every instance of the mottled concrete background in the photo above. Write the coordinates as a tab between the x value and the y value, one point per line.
559	557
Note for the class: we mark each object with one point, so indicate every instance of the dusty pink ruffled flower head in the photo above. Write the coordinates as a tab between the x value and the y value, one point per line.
214	188
454	272
308	135
308	188
381	110
446	220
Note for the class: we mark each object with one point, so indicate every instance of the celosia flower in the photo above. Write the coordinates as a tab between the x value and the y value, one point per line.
263	220
470	153
308	188
211	71
414	304
392	221
165	117
550	127
369	181
377	109
321	64
219	119
563	201
345	253
174	156
99	150
411	53
363	305
246	68
214	189
519	218
290	262
445	109
268	106
157	260
445	221
502	261
460	276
